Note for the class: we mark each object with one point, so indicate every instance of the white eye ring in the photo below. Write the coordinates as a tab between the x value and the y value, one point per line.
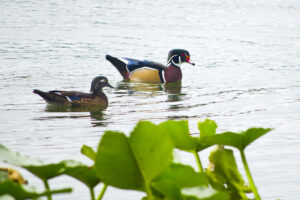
103	80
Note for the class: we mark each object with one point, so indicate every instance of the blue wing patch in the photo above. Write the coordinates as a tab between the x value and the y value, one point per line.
133	64
74	98
68	96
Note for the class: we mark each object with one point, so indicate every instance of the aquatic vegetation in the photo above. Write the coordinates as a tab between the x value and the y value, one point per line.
19	191
143	161
11	174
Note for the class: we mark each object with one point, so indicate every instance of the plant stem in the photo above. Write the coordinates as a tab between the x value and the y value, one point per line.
49	197
251	182
92	193
197	157
102	192
149	193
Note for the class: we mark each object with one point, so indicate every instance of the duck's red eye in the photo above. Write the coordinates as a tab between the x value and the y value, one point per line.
187	59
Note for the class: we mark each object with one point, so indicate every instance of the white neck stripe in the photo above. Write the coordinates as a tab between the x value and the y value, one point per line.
163	76
177	65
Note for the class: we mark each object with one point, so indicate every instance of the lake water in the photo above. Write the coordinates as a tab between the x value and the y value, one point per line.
247	73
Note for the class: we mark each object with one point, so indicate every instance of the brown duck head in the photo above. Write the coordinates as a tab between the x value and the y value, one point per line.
98	83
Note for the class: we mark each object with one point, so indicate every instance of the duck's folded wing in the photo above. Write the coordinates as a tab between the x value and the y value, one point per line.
52	97
71	96
133	64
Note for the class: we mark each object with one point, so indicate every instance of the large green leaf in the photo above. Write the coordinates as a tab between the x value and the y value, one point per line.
19	191
88	152
35	166
6	197
207	128
152	148
237	140
16	158
115	163
81	172
3	175
251	135
46	171
177	176
180	134
224	175
183	176
131	163
203	193
166	190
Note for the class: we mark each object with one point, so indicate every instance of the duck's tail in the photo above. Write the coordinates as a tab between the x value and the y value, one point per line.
119	64
52	98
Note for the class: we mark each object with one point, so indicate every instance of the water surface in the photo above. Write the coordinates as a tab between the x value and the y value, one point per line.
247	56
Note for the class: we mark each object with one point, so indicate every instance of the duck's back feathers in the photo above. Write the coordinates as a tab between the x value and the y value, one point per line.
84	99
138	70
72	95
72	98
119	64
138	64
52	97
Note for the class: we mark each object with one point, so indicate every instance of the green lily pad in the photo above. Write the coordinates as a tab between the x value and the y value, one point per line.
203	193
19	191
169	184
81	172
238	140
16	158
183	176
224	175
180	134
132	163
3	176
207	128
6	197
88	152
166	190
46	171
35	166
115	163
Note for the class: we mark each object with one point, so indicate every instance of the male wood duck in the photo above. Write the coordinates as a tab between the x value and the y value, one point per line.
96	97
152	72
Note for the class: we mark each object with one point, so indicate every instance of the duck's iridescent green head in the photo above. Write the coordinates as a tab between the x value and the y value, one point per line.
178	56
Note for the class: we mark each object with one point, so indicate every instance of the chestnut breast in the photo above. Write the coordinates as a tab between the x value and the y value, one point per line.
172	74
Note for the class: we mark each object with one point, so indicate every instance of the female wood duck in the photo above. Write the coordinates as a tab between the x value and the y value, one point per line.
96	97
152	72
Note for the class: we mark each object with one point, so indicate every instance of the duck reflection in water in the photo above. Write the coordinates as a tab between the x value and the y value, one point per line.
133	88
96	113
173	90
